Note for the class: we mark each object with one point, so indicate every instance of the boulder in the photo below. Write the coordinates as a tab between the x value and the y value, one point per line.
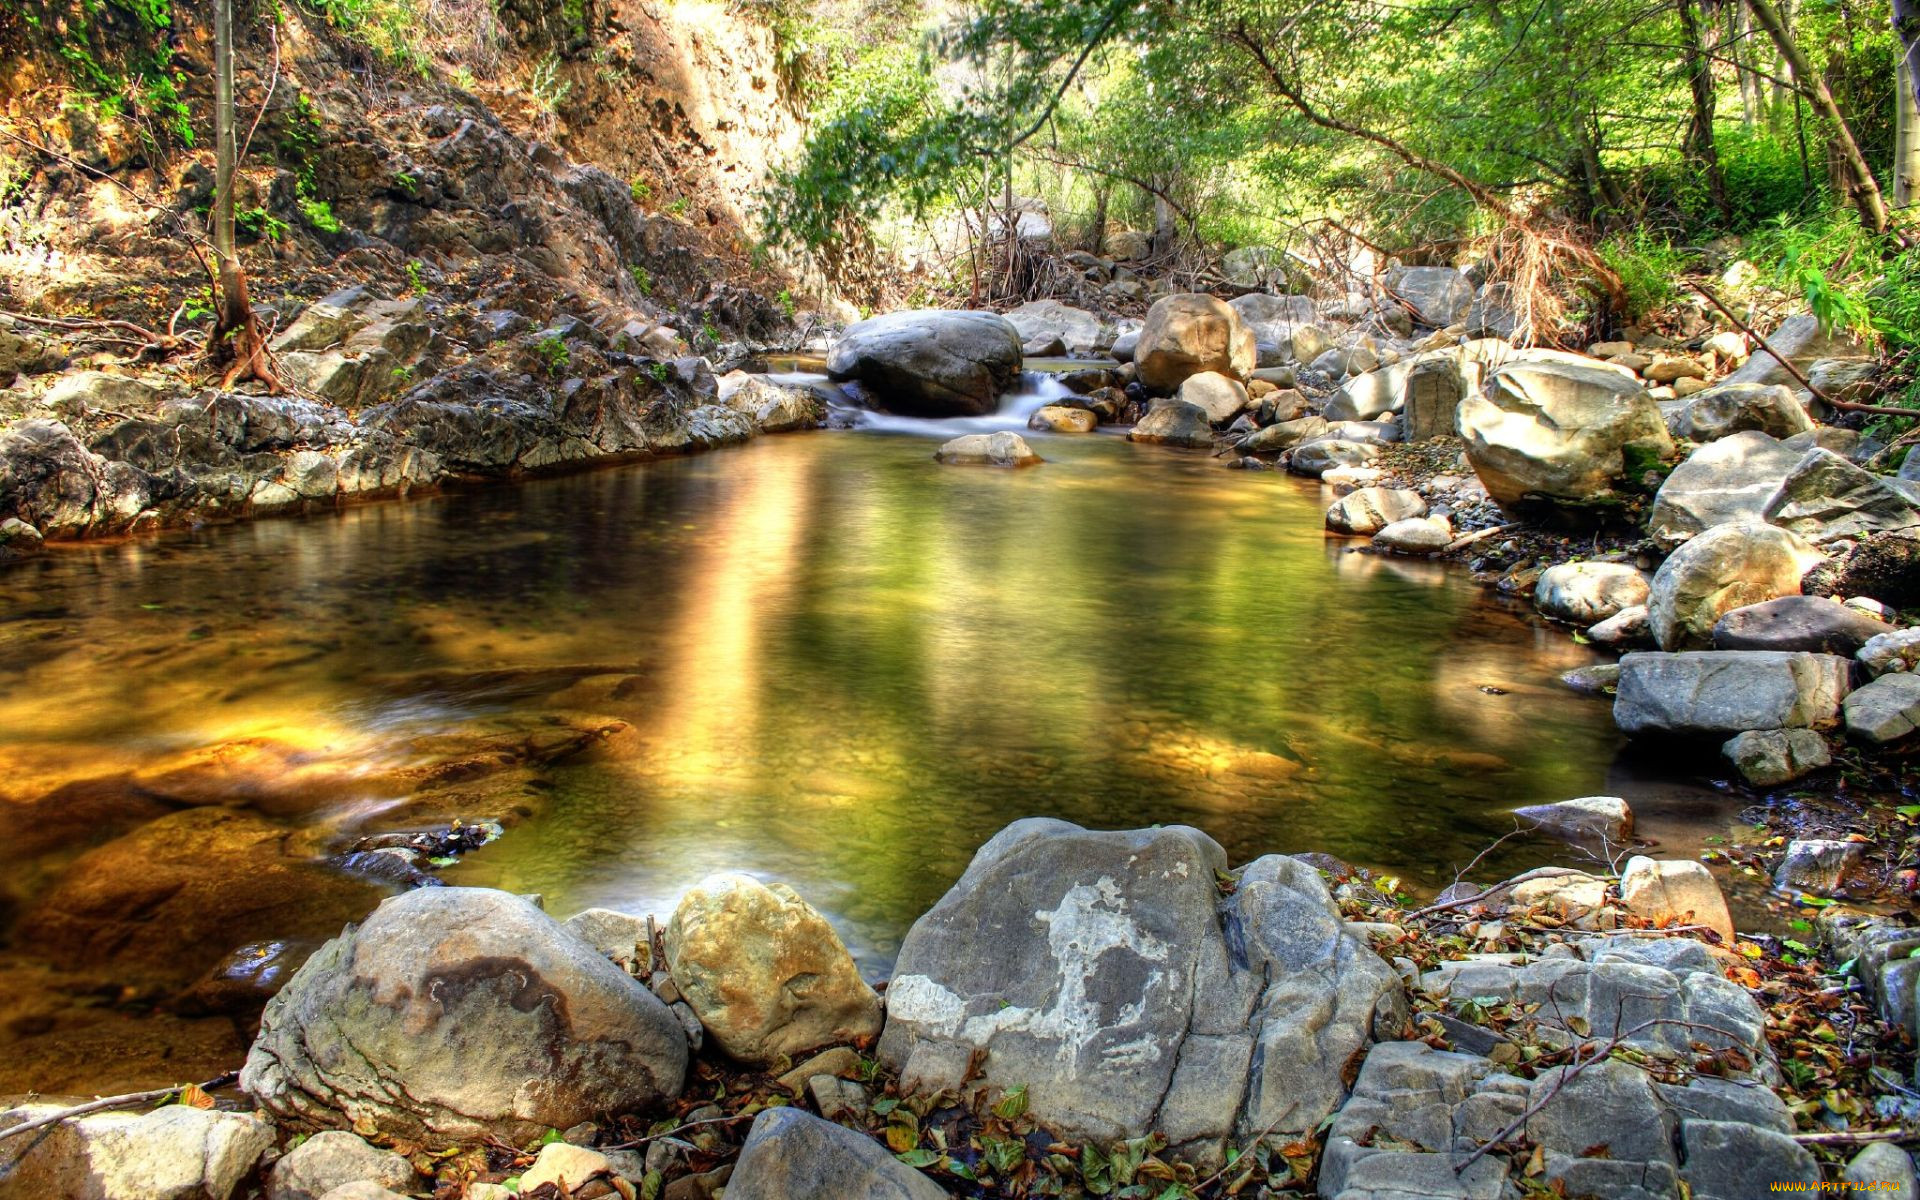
1589	592
1430	400
1284	435
1883	1166
622	937
49	480
1002	449
1737	407
1818	865
455	1014
1221	396
334	1158
1885	709
1371	509
1124	346
1724	692
1175	423
1625	629
931	362
1727	567
1493	312
1316	456
1728	480
1077	330
1415	535
1816	623
1588	819
772	407
1128	995
1771	757
1057	418
1190	333
1895	650
1264	308
173	1153
1722	1159
566	1167
765	973
1546	434
1801	340
1675	890
1369	394
1881	566
1598	679
1826	498
792	1155
1437	296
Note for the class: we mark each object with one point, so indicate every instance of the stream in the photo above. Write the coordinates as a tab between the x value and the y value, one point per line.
820	658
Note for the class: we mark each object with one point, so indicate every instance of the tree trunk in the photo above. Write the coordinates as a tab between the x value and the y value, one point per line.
1097	236
1906	129
1860	182
238	341
1740	32
1700	149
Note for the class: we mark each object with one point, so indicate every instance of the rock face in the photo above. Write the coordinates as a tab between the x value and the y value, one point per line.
1815	623
1588	592
1727	567
791	1155
453	1014
172	1153
54	483
1438	296
1372	509
1723	481
1003	449
1190	333
1714	692
1128	995
1737	407
1553	434
930	362
764	972
1175	423
1826	498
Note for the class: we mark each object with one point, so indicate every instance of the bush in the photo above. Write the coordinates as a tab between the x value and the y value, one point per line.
1648	265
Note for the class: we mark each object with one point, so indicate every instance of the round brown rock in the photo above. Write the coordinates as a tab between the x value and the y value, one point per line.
1190	333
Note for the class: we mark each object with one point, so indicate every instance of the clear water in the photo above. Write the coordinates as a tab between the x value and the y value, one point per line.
842	664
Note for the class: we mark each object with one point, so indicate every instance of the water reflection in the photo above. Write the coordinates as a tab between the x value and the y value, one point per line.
838	663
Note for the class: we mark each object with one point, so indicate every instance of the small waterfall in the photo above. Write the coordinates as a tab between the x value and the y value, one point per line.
1034	391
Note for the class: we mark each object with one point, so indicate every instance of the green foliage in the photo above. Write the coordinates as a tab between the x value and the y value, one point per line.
642	279
661	372
1827	259
642	190
787	304
119	56
545	87
387	27
553	354
319	214
1647	264
679	206
259	223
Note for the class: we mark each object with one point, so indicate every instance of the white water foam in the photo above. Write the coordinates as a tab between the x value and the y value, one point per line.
1035	391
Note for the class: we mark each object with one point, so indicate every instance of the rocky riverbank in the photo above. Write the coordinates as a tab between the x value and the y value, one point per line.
1151	1021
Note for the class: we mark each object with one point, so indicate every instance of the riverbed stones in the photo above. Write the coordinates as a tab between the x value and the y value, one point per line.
792	1155
454	1014
1055	418
1708	693
173	1153
1284	435
1371	509
1221	396
1676	890
1189	333
1589	592
1369	395
334	1158
1771	757
1174	423
764	971
1002	449
930	362
1724	481
1884	1166
1737	407
1895	650
1816	623
772	407
1726	567
1545	434
1885	709
1128	995
566	1167
1826	498
622	937
1625	630
1586	819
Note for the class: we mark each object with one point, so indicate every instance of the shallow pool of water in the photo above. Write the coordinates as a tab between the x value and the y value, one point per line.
840	665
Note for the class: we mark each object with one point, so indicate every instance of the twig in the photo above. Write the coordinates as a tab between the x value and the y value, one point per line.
122	1101
1504	886
682	1129
1478	535
1857	1139
1843	405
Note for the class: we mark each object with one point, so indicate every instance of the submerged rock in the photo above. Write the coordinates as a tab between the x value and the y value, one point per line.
1590	818
1055	418
1001	449
454	1014
764	972
1127	995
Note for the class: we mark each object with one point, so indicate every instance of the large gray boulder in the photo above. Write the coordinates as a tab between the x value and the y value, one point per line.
1724	692
455	1014
1727	567
1549	434
1190	333
793	1155
1128	995
1817	623
1430	399
1587	592
1438	296
1886	709
1080	331
1826	498
174	1153
1728	480
930	362
1802	341
1731	408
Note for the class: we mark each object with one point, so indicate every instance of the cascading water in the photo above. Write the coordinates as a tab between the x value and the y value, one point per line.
1035	390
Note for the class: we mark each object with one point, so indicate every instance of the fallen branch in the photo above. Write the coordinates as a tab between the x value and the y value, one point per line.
1843	405
637	1142
1503	886
164	341
126	1100
1478	535
1858	1139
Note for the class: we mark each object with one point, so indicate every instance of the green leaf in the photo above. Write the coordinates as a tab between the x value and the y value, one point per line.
1012	1105
920	1158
